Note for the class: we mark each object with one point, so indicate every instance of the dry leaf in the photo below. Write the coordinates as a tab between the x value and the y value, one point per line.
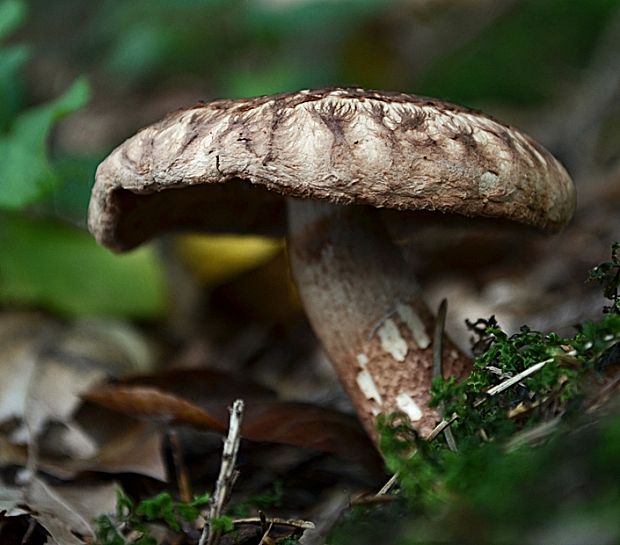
289	423
44	366
155	404
63	511
308	426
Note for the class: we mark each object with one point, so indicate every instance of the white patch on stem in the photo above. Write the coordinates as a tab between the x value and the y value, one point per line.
368	387
362	360
415	325
406	404
392	341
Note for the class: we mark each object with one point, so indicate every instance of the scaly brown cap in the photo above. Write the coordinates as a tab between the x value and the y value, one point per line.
222	166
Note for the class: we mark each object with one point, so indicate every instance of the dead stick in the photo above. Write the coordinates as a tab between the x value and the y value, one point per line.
183	481
265	539
440	324
276	521
226	478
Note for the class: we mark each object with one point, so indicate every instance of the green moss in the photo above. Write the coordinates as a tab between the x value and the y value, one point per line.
134	518
530	459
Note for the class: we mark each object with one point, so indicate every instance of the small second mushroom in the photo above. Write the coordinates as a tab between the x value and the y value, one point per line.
338	157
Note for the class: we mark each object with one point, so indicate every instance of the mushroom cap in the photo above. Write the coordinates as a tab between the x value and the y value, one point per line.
225	165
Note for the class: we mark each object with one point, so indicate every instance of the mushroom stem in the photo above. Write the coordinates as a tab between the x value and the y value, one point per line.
365	307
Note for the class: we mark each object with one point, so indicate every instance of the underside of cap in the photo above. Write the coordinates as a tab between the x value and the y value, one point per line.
224	166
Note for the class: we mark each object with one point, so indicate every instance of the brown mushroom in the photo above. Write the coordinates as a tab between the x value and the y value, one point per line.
337	155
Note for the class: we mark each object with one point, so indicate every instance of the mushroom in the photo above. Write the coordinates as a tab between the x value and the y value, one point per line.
345	160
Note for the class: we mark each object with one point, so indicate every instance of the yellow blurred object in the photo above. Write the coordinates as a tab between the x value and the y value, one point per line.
215	259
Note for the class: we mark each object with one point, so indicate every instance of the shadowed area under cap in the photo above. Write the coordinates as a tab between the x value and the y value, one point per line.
234	160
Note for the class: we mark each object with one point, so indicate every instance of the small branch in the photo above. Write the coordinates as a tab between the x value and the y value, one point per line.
441	426
440	324
276	521
226	478
372	499
183	482
388	486
265	539
512	381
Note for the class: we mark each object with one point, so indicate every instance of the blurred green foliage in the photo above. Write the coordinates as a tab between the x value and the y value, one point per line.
12	61
249	47
44	263
26	173
607	275
524	58
48	264
240	47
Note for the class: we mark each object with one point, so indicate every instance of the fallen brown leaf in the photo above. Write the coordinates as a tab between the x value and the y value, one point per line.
64	511
273	421
150	402
46	364
307	426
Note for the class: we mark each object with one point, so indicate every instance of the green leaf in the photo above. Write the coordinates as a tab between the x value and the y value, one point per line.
12	14
33	126
25	172
46	264
12	61
20	166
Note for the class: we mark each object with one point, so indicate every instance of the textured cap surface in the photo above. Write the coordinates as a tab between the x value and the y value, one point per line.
224	165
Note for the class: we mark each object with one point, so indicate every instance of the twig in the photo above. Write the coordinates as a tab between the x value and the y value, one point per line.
388	486
226	478
265	539
441	426
183	482
276	521
372	499
512	381
440	324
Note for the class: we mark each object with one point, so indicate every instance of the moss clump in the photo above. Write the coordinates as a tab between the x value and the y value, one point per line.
495	487
131	523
